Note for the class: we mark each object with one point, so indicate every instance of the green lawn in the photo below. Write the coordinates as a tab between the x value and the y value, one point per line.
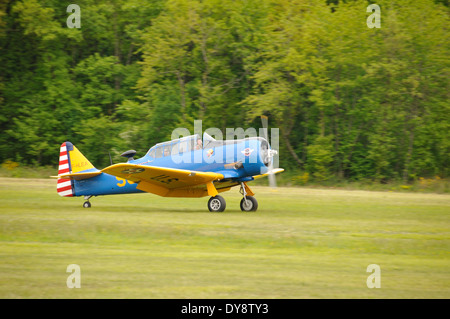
301	243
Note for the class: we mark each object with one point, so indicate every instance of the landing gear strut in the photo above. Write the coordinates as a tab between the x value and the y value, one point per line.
87	204
248	203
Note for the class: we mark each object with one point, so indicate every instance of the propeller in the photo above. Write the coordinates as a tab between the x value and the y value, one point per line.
268	157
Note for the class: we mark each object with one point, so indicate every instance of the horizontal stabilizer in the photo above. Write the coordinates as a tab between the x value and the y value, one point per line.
79	176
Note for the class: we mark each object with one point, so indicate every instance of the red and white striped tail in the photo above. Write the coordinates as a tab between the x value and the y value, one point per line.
64	186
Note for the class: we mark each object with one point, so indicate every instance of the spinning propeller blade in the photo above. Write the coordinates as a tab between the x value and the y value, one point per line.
270	153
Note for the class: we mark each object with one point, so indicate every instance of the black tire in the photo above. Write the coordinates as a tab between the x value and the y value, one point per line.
216	204
250	206
86	204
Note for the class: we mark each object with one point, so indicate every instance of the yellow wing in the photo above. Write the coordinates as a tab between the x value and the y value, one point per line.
168	182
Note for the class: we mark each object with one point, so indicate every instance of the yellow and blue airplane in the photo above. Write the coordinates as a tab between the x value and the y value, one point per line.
184	167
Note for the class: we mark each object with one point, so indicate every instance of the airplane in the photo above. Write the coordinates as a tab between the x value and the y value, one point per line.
183	167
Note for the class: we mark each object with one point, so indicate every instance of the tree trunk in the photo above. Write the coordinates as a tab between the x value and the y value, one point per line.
291	149
182	95
408	156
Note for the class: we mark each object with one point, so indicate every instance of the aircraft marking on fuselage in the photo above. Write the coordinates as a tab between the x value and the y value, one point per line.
122	182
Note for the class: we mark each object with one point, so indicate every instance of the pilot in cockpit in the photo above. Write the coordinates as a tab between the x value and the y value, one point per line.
199	145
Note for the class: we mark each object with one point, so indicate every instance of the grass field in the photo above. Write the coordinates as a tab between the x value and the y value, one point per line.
301	243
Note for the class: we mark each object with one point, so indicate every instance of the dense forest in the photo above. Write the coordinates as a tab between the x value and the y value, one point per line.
351	102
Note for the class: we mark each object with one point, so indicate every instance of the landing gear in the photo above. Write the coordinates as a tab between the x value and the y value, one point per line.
216	204
248	203
87	204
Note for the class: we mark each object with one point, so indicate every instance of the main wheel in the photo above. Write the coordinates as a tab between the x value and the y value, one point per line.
86	204
216	204
249	205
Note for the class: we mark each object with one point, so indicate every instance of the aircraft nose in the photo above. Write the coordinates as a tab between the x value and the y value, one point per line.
267	153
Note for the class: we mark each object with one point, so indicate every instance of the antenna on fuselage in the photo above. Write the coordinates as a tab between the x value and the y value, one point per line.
129	154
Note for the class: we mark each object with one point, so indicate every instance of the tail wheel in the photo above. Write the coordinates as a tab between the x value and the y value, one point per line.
249	204
86	204
216	204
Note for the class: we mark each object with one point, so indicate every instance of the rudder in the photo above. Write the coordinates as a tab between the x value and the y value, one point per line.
71	160
64	186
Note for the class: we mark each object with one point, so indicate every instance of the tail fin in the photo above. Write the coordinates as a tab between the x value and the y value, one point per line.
70	161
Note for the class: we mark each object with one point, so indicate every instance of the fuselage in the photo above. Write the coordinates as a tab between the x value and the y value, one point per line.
236	160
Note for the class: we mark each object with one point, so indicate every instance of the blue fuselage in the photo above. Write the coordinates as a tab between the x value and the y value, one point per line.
237	160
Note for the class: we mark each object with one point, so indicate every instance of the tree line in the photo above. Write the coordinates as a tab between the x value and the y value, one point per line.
351	102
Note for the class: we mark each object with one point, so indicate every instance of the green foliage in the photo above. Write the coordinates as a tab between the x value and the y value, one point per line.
321	157
98	139
351	103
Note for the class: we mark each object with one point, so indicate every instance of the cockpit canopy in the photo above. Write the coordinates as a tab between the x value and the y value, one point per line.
180	145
